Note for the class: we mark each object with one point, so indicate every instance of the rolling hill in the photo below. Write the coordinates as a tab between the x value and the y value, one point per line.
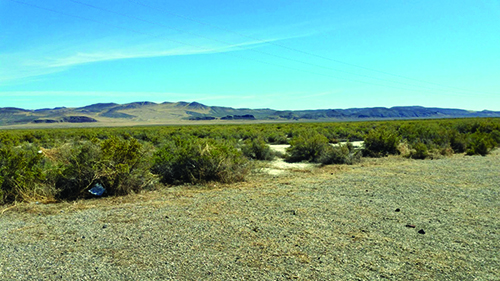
143	113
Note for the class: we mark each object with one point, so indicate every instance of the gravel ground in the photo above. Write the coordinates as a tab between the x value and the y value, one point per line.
357	222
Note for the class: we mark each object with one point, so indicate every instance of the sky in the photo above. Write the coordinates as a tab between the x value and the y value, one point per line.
279	54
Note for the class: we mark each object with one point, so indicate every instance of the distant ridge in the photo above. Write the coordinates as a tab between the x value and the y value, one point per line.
146	112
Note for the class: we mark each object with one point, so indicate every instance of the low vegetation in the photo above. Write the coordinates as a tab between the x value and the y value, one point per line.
195	160
341	154
64	164
120	166
382	142
307	146
21	173
257	149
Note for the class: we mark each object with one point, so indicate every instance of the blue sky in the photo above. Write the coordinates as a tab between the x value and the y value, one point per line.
280	54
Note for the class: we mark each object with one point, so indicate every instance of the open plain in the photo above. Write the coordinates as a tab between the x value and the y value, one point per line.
383	219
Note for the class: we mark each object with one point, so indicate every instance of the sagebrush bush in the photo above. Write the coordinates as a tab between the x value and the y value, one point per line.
192	160
480	144
79	171
277	138
381	142
9	139
419	151
307	146
120	166
125	166
495	135
22	175
458	142
445	151
257	149
341	154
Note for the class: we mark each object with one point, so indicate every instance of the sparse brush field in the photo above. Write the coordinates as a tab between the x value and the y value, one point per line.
196	203
329	223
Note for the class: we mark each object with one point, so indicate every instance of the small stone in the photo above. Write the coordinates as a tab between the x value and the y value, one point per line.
421	231
398	210
105	226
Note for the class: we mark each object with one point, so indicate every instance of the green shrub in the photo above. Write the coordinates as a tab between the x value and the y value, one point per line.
277	138
495	135
21	174
198	161
9	138
480	144
341	154
125	166
307	146
458	142
381	142
419	151
120	166
79	172
257	149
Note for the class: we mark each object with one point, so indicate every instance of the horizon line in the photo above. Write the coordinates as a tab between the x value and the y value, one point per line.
267	108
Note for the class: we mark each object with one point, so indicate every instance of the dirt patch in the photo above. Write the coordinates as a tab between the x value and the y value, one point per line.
281	148
281	167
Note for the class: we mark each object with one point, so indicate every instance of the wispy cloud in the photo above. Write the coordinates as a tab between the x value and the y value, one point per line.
31	64
70	51
91	57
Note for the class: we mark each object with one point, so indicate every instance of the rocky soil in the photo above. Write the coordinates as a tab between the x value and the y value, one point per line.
391	218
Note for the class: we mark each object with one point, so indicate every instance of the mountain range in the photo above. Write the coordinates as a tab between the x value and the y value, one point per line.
143	113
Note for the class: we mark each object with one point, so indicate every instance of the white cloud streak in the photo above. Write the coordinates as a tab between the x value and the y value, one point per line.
25	65
84	58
